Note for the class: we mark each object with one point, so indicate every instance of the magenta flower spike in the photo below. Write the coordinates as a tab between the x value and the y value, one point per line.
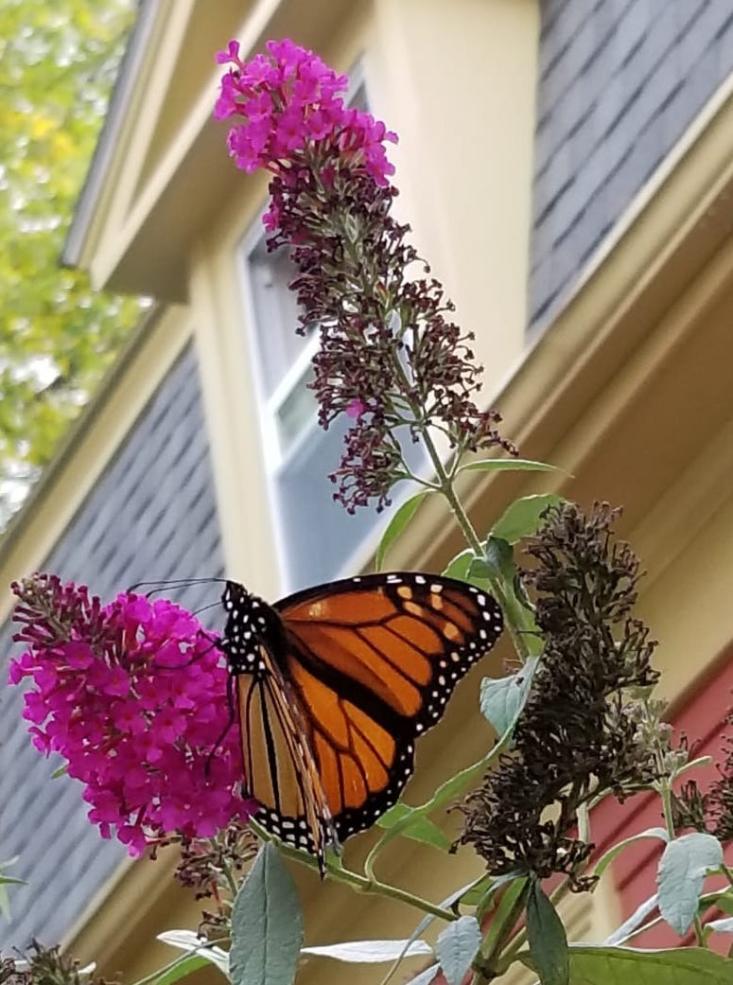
286	102
133	695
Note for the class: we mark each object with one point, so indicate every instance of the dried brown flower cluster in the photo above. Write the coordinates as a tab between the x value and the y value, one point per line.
390	357
46	966
212	867
576	738
711	811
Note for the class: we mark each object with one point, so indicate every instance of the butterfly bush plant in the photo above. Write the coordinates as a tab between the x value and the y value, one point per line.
133	695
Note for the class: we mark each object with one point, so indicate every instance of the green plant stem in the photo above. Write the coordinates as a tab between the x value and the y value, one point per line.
361	883
699	933
230	880
518	619
666	795
511	907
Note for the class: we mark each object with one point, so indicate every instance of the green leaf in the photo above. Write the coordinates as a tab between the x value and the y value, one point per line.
7	881
370	952
189	940
682	870
397	524
456	948
509	465
475	892
267	924
460	565
627	966
479	569
499	557
503	698
548	943
724	902
421	829
179	969
4	902
61	771
522	517
608	857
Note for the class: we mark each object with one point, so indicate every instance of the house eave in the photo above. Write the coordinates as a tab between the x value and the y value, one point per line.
136	50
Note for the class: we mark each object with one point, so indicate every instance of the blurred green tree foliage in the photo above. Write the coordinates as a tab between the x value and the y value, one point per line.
58	60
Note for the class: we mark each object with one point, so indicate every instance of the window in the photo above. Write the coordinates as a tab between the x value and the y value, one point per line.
317	539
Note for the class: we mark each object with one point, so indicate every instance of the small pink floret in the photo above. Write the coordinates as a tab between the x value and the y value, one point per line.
355	409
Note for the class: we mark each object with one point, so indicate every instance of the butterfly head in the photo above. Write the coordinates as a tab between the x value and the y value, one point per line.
249	626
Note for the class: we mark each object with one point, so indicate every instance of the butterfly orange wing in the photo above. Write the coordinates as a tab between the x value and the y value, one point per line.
372	662
279	767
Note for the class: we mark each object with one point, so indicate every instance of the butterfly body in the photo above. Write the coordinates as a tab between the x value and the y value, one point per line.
334	685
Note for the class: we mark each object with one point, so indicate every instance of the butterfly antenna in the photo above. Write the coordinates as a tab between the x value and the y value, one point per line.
211	605
230	723
159	584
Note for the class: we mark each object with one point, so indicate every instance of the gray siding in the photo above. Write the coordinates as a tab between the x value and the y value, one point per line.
620	81
152	514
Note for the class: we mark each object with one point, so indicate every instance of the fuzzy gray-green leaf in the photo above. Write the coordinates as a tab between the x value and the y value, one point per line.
267	924
456	948
682	870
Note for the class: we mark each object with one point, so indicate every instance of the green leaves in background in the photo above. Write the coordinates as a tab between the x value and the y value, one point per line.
57	335
267	924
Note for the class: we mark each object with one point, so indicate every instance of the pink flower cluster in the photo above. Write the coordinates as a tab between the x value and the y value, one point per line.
133	695
290	100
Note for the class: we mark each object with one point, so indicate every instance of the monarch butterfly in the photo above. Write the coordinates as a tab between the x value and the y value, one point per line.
333	686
